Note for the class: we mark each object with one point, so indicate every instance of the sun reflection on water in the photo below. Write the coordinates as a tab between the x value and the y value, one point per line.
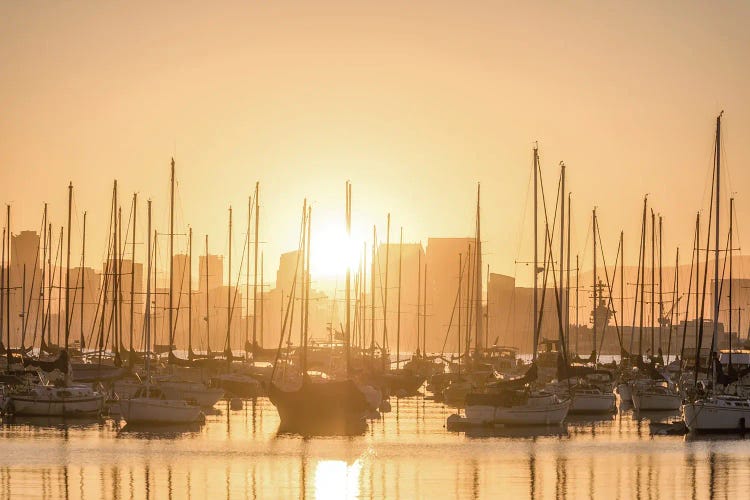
337	479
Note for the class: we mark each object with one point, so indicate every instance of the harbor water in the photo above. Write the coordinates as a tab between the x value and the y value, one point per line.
408	453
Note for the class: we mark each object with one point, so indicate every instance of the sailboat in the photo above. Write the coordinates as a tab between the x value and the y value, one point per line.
513	402
715	411
46	399
150	405
331	406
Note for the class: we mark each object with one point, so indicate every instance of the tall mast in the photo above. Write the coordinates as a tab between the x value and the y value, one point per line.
228	348
119	275
731	221
697	277
208	316
567	287
372	293
247	279
562	249
643	275
424	312
51	282
363	291
385	291
577	329
2	295
132	277
717	298
59	284
83	279
419	288
622	281
478	275
115	259
255	268
190	291
307	283
261	300
594	280
347	337
460	276
661	278
171	254
487	311
7	281
536	248
398	306
42	283
147	311
653	280
67	269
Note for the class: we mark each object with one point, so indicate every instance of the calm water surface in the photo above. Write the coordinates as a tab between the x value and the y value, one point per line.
407	454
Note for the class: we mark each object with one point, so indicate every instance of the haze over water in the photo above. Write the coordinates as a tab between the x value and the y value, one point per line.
407	454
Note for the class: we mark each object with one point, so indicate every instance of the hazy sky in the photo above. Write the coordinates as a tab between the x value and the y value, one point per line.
414	102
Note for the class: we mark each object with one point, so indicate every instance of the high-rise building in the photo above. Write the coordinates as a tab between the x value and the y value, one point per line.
443	271
214	269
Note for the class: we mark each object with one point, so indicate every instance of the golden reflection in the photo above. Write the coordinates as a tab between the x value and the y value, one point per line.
337	479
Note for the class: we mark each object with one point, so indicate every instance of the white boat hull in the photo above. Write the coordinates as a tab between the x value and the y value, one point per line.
531	413
592	403
205	397
84	406
155	411
656	402
706	416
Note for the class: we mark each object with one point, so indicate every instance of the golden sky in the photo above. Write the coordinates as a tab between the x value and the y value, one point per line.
414	102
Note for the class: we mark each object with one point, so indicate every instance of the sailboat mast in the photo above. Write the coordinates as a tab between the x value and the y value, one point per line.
171	255
536	249
208	316
51	283
307	284
419	289
653	280
562	248
577	328
398	305
247	280
424	313
661	279
261	300
460	276
132	277
567	286
115	260
228	348
348	333
147	311
622	282
643	273
255	268
83	279
478	275
594	315
190	291
372	292
717	298
731	221
7	248
67	269
385	291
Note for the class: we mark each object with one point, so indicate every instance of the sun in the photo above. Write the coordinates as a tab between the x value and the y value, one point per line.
331	250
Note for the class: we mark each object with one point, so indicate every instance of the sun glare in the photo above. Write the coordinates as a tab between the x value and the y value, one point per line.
332	251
